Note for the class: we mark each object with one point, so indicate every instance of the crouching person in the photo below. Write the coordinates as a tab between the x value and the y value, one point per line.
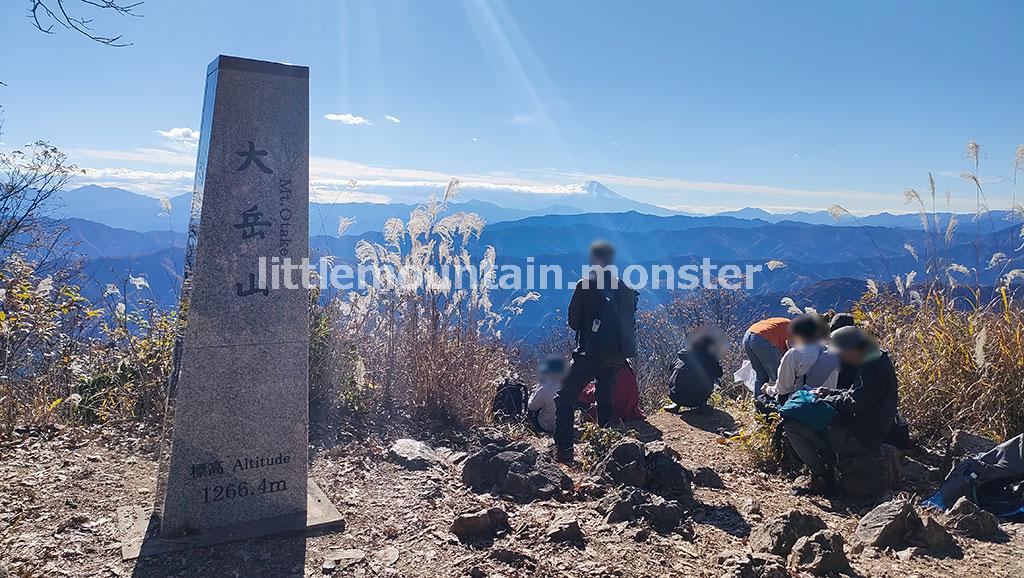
864	415
541	406
695	372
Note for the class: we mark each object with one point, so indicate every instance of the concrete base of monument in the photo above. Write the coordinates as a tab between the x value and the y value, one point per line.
140	529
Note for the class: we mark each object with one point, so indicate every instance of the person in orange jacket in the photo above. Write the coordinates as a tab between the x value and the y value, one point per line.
765	343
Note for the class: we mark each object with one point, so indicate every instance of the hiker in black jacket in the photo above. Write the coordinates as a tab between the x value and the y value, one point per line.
602	313
867	411
695	372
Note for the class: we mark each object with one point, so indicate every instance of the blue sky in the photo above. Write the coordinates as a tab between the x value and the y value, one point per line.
698	105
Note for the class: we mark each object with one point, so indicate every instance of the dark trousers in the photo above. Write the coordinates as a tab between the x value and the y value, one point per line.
819	450
582	371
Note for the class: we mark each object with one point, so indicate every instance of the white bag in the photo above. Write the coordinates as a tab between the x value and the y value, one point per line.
746	375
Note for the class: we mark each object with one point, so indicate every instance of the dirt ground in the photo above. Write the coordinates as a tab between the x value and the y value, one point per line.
59	492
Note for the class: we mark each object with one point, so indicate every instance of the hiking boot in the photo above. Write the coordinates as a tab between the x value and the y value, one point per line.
671	408
812	485
564	457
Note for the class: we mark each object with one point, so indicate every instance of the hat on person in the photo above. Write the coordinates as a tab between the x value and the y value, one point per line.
841	320
852	338
551	365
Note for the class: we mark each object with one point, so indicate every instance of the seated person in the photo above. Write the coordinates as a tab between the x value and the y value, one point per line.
867	411
808	363
541	406
695	372
625	398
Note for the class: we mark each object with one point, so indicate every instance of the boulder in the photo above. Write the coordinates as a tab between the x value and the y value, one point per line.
889	525
778	535
622	506
737	564
964	444
624	464
515	469
934	537
708	478
820	554
751	507
413	455
667	477
967	518
481	524
663	515
869	475
565	530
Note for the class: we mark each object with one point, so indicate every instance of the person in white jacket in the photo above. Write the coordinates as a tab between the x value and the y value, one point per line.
541	405
808	363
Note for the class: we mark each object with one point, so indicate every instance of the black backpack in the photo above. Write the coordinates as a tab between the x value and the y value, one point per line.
613	334
509	405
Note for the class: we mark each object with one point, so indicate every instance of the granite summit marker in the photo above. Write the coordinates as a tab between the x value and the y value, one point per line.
238	401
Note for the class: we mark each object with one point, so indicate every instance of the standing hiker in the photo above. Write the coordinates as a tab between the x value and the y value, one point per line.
765	343
603	315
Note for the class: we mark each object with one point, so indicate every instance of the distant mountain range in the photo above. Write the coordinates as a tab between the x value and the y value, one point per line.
124	209
115	232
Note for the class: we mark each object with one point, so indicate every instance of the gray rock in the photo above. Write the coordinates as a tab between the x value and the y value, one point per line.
871	475
964	444
916	472
778	535
889	525
934	537
965	517
668	478
413	455
515	469
664	515
624	464
340	559
738	564
623	506
477	572
480	524
751	507
565	530
820	554
708	478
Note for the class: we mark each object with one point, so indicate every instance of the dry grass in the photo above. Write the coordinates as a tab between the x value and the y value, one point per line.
428	346
960	360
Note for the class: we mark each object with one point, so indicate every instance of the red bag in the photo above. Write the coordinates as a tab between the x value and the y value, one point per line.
625	397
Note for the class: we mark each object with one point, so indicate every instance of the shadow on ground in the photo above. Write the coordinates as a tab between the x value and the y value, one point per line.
712	421
279	556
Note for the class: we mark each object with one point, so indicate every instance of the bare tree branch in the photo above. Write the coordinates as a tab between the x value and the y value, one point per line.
45	14
30	180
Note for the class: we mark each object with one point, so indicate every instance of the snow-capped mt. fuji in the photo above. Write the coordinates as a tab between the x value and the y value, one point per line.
594	197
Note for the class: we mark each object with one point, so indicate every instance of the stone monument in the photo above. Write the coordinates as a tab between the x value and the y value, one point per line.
238	399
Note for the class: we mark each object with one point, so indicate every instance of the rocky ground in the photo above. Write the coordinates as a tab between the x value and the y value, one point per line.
409	512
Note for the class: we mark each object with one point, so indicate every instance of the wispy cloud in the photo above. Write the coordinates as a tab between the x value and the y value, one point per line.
393	119
182	136
347	118
522	119
149	156
151	183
